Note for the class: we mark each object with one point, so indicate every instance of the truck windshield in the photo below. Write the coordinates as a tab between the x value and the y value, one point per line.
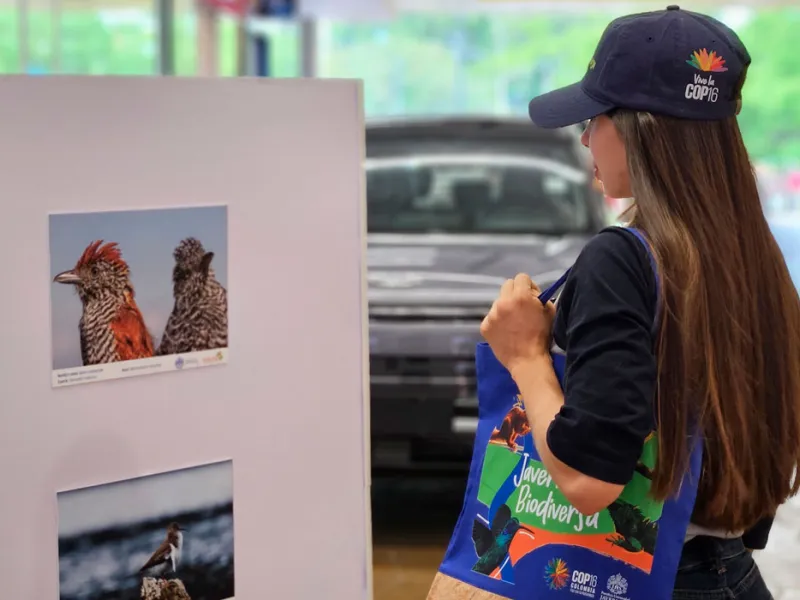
476	193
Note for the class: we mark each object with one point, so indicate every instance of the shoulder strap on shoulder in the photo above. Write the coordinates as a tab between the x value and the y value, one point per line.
654	265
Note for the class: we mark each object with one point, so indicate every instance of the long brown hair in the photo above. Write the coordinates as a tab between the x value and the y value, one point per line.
729	343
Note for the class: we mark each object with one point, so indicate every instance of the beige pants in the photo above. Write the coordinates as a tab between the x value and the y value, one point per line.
445	587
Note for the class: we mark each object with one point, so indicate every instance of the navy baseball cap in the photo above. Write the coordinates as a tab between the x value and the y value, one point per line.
670	62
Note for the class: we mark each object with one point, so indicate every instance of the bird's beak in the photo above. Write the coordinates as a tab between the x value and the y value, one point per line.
67	277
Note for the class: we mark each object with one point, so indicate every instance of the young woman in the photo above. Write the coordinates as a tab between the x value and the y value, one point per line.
661	97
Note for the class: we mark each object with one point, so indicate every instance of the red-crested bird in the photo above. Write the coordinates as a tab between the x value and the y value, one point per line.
112	328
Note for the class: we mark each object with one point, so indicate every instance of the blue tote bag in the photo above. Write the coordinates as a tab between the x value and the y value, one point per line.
518	537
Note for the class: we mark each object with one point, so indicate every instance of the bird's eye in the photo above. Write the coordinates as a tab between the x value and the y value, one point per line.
94	270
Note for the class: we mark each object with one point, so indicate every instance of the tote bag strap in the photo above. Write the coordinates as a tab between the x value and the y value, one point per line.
653	265
551	290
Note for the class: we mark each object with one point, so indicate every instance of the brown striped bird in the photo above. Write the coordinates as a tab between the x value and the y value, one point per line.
199	317
111	327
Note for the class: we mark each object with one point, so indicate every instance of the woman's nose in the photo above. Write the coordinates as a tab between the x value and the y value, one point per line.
585	137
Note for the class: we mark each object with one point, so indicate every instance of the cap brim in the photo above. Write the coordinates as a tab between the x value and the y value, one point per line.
563	107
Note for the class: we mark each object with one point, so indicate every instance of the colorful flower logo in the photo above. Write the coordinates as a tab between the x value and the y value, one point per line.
556	574
707	61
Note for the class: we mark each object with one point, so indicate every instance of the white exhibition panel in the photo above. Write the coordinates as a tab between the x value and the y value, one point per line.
288	407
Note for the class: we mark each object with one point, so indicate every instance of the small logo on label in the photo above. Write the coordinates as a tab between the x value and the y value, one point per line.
703	60
556	574
179	363
583	584
617	585
209	360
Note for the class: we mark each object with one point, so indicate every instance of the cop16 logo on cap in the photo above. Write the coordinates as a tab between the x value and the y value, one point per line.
703	88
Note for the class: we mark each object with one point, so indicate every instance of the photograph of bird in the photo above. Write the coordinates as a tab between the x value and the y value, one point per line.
149	537
491	545
199	318
167	556
111	326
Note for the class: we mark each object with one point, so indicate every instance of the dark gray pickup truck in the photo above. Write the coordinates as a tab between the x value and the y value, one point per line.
456	206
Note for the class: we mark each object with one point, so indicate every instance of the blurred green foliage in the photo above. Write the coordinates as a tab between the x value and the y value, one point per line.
479	63
434	64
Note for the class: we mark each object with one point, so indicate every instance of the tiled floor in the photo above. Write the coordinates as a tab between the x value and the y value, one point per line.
780	561
412	522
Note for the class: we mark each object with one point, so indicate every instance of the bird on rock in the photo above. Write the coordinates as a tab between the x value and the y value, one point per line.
167	556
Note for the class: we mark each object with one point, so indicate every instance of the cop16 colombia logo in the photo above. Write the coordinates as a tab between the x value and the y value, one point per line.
556	574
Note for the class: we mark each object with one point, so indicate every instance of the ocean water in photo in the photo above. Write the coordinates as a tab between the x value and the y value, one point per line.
103	565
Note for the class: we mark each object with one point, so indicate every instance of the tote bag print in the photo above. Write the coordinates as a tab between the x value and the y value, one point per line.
535	513
518	536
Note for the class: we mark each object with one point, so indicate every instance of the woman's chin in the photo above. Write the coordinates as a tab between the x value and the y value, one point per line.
614	193
609	191
616	188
